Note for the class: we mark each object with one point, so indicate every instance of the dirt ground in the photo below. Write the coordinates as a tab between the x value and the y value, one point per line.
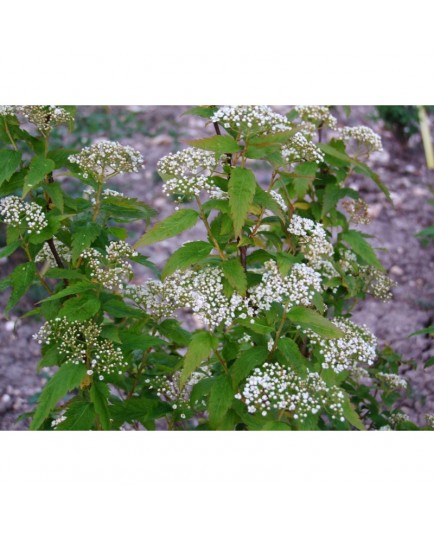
161	129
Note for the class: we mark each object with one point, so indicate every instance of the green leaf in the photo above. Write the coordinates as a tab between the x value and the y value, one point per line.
307	318
360	246
54	190
9	161
200	347
242	187
171	329
187	255
246	362
293	356
76	288
80	416
38	170
267	201
173	225
99	394
68	377
81	307
9	249
21	280
83	236
132	341
201	111
63	273
235	274
220	400
118	309
217	144
429	362
426	331
351	415
140	409
332	194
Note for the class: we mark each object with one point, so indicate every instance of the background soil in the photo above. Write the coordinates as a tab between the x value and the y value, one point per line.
157	130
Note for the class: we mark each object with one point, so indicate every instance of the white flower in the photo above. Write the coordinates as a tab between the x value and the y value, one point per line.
300	149
251	120
45	117
313	238
16	212
318	115
364	136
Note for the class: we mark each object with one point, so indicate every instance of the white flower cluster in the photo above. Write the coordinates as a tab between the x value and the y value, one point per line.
300	149
90	194
325	268
106	159
16	212
313	238
429	418
111	270
377	283
398	418
46	255
363	136
319	115
275	388
358	345
250	120
6	109
246	339
279	200
80	343
297	288
358	211
45	117
167	388
188	172
55	422
393	381
348	261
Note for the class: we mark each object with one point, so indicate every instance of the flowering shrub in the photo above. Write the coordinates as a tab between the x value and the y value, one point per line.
271	288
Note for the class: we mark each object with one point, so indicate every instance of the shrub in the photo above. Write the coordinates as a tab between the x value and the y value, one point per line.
272	285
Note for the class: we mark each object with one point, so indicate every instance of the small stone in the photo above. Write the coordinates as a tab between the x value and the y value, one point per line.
396	270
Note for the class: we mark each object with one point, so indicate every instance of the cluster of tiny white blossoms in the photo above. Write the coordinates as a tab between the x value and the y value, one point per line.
55	422
377	283
358	345
6	109
325	268
106	193
188	172
16	212
111	270
300	149
45	117
429	419
168	389
393	381
297	288
358	211
46	255
313	238
79	342
279	200
249	120
246	339
363	136
106	159
318	115
398	418
277	388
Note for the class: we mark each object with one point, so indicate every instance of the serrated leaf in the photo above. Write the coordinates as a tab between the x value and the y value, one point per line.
218	144
68	377
332	194
54	190
360	246
221	398
187	255
118	309
80	416
201	111
200	347
9	249
99	394
63	273
84	234
351	415
81	307
242	187
76	288
292	355
171	329
246	362
132	341
267	201
38	170
307	318
235	274
9	161
173	225
21	280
